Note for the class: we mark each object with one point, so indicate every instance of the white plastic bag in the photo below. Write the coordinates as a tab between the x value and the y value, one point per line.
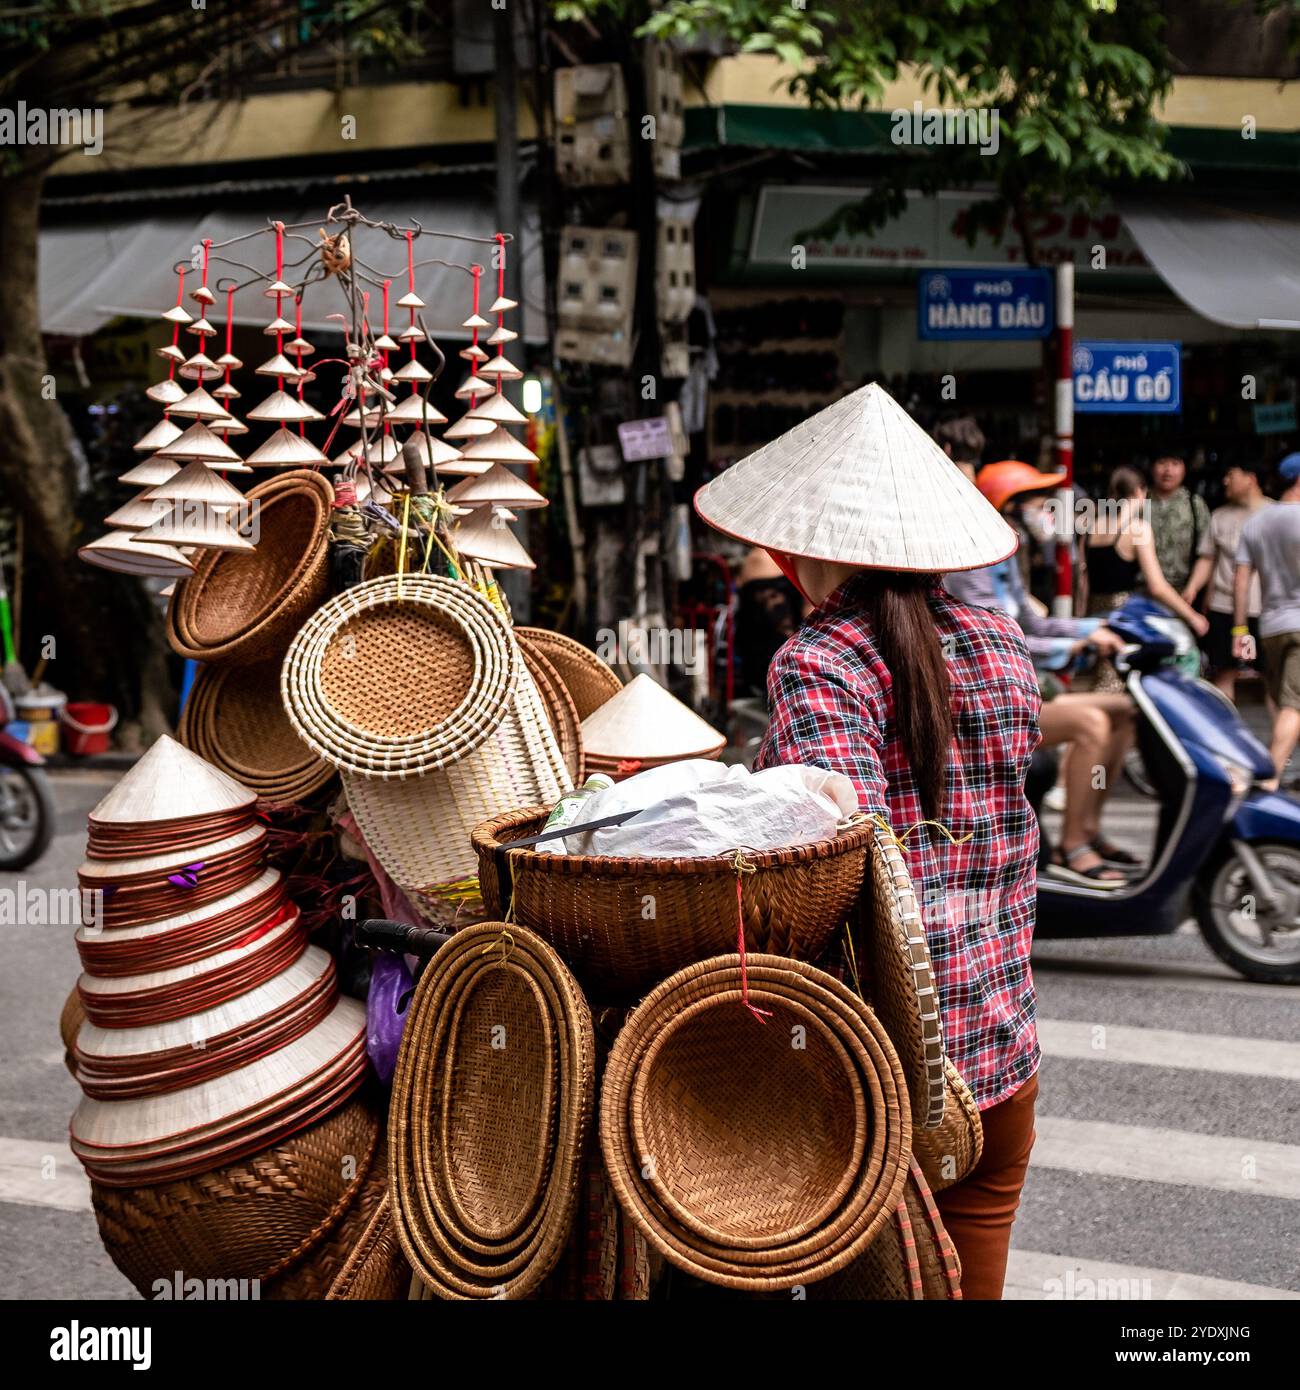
696	809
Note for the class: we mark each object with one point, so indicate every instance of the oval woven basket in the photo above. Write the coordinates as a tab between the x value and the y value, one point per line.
622	925
561	713
245	606
491	1105
235	720
248	1220
586	677
719	1129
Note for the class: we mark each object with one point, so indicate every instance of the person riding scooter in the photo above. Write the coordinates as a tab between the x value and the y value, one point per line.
1098	727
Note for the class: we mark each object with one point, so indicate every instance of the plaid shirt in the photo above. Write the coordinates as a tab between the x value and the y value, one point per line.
830	695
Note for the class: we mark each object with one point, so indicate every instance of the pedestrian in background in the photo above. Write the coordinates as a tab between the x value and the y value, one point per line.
1270	548
1216	566
1178	521
963	441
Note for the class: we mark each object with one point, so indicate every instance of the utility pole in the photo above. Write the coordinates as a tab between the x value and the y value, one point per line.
516	583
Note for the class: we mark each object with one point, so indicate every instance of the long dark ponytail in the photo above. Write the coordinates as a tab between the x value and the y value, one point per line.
903	627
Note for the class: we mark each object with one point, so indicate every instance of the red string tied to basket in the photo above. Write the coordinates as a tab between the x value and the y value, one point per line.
742	866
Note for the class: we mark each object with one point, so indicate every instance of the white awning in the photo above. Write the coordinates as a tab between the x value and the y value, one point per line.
121	266
1236	266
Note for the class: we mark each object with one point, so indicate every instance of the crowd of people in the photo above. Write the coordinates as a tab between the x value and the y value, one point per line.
1231	574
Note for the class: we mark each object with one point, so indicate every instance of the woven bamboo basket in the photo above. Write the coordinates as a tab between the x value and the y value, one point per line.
720	1131
622	925
491	1105
397	677
375	1269
245	606
913	1257
561	713
235	720
248	1220
585	676
419	828
900	985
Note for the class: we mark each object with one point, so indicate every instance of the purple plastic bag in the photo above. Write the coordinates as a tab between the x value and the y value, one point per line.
391	983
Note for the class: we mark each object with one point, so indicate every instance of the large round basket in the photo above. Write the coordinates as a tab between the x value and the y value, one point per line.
245	606
253	1219
754	1122
622	925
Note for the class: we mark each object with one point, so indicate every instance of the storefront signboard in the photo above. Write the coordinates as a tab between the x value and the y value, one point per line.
1127	378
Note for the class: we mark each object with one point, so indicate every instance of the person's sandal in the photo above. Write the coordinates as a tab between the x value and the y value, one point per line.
1112	854
1099	876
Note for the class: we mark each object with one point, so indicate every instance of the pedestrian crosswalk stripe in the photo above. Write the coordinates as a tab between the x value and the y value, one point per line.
1162	1047
1168	974
38	1174
1032	1274
1221	1163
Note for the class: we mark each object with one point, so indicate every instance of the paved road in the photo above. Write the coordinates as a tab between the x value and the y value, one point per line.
1168	1159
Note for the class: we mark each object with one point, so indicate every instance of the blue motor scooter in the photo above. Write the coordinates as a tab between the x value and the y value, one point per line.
1234	847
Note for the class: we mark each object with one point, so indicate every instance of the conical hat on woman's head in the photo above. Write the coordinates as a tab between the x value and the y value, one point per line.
859	483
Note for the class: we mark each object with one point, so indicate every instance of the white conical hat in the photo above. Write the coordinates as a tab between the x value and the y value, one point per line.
485	538
498	485
646	721
860	483
170	783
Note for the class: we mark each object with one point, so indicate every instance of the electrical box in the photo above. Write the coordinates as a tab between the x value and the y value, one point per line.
663	83
675	269
596	295
591	146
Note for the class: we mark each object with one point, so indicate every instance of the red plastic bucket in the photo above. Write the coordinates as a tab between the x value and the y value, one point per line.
86	728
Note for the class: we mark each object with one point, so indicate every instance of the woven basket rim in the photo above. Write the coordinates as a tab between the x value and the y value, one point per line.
187	596
486	838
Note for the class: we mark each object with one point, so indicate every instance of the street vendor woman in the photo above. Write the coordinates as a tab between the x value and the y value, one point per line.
931	707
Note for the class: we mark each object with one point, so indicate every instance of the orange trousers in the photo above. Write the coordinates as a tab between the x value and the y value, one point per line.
979	1210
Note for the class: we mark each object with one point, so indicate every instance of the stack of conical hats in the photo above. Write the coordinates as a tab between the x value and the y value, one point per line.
212	1028
643	726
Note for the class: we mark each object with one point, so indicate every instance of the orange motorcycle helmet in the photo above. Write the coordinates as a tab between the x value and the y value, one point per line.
1001	482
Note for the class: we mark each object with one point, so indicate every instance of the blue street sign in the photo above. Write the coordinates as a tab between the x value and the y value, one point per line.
1127	378
959	305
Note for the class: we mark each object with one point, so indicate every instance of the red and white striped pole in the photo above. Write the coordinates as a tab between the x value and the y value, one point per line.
1063	448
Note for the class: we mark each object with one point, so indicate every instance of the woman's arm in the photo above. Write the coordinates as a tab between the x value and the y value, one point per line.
1158	586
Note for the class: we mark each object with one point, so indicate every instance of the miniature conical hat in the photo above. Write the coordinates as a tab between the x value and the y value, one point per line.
467	427
498	485
117	551
500	447
137	514
150	472
646	721
499	410
485	538
170	783
860	483
166	391
433	454
285	449
197	482
281	406
191	523
412	411
473	387
198	442
162	434
197	405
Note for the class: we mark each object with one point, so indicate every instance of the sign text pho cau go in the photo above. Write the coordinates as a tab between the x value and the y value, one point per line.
1127	378
1010	305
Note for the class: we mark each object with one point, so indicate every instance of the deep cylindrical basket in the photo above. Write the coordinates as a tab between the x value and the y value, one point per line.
245	606
248	1220
622	925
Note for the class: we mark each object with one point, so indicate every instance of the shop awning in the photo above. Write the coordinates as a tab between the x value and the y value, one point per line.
1235	266
106	266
